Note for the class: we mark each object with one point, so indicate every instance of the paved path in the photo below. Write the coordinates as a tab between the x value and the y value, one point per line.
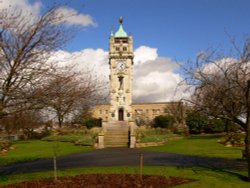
123	157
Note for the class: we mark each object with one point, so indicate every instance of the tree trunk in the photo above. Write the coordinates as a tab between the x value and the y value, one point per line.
247	148
247	139
60	121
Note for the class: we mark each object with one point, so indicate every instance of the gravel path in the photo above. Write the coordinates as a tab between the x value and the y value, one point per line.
123	157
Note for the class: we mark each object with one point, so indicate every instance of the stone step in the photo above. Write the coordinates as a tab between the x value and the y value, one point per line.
107	143
116	138
117	146
115	141
116	133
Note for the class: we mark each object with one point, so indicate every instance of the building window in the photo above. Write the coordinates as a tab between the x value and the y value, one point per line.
100	112
107	111
124	48
123	99
117	99
138	111
117	48
120	79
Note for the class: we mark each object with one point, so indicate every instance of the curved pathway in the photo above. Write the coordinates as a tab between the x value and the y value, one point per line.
123	157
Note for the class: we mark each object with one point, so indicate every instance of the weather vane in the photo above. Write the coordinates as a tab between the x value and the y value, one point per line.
120	20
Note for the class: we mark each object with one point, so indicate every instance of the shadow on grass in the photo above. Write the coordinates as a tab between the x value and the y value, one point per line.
206	136
219	172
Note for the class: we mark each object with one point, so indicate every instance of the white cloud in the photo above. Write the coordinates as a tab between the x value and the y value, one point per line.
154	77
145	53
24	5
72	17
93	60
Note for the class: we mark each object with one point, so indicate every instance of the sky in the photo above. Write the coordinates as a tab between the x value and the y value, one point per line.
164	32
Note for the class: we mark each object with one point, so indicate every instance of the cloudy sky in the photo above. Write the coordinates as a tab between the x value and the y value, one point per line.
165	32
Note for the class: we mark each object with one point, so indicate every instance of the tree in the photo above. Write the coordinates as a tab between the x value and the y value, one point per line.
25	121
67	92
177	110
222	88
26	44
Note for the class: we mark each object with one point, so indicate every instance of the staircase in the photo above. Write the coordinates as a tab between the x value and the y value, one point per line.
117	134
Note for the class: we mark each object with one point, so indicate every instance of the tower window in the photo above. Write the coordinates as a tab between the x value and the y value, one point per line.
120	78
117	48
124	48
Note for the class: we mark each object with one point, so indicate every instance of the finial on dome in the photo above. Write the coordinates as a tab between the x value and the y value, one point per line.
121	33
120	20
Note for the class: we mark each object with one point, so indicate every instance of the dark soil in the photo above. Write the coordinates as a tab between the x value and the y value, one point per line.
104	181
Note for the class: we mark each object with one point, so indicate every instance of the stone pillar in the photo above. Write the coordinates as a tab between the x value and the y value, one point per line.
132	136
101	140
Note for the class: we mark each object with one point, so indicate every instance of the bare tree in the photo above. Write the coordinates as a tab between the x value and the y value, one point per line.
177	110
26	43
68	92
222	88
25	121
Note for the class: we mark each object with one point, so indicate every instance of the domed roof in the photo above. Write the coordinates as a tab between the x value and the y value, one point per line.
121	33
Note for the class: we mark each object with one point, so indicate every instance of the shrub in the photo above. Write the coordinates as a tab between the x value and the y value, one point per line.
5	145
164	121
199	123
233	138
139	121
93	122
215	126
196	123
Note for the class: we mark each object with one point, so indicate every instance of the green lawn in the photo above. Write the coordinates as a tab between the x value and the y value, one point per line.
204	178
202	145
36	149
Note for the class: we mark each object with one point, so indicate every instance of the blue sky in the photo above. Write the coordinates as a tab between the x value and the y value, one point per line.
164	31
177	28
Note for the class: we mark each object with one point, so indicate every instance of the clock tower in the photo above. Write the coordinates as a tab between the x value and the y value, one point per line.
121	66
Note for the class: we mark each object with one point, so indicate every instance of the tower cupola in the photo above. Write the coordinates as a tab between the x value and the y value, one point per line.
121	33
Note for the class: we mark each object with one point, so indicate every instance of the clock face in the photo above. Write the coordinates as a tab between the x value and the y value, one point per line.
121	66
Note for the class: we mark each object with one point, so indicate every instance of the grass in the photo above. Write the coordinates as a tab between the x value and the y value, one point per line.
203	177
204	145
37	149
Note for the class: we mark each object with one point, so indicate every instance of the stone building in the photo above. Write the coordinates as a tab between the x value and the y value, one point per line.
120	115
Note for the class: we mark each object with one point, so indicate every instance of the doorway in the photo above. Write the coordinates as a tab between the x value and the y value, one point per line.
120	115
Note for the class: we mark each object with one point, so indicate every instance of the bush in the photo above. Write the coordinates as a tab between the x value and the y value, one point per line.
93	122
199	123
166	121
5	145
196	123
215	126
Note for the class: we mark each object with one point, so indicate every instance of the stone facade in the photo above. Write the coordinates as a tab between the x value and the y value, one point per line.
144	111
121	69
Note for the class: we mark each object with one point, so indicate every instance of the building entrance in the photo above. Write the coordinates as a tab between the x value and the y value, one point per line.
121	114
